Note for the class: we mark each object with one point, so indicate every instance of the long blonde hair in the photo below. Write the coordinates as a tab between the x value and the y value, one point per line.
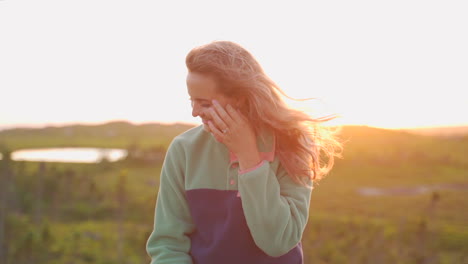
305	148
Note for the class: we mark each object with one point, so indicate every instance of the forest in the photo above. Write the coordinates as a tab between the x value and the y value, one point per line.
394	197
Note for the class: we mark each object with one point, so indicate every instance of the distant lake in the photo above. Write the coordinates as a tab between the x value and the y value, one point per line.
72	155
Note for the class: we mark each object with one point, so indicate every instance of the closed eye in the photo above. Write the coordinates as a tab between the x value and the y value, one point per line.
203	103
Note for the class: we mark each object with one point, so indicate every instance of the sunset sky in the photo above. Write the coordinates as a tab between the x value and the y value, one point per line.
387	64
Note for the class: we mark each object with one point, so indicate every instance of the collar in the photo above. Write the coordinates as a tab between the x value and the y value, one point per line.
266	145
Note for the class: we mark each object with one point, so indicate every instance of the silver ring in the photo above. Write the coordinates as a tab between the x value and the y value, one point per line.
225	131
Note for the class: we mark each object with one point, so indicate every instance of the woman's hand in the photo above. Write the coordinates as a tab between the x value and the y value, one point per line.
231	127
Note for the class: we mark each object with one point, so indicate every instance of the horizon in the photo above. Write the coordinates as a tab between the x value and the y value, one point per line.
65	124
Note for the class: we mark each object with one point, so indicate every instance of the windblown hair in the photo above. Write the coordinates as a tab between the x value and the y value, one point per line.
305	148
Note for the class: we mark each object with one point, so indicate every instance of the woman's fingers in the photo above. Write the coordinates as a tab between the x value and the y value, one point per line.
218	121
216	132
235	114
227	125
231	128
222	115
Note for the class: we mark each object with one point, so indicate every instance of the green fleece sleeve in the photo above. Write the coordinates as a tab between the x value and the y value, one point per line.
275	207
169	241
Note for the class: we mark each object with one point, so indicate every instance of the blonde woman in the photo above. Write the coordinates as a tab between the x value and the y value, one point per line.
237	188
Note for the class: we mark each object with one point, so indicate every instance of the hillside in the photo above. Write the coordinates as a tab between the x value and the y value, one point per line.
450	131
113	134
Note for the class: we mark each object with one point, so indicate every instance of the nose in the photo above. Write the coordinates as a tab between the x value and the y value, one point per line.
195	110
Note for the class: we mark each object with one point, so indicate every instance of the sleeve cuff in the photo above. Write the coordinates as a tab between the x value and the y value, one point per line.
253	168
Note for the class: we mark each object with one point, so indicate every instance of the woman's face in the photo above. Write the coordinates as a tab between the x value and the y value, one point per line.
202	89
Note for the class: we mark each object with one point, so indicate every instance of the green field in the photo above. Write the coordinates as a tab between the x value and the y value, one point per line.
414	210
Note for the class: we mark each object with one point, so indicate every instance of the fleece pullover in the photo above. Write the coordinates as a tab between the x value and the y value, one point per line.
209	212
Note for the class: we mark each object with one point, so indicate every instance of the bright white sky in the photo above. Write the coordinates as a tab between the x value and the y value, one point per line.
399	63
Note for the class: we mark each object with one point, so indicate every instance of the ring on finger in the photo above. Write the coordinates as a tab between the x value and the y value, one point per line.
225	131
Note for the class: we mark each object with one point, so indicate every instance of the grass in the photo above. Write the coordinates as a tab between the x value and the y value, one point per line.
344	226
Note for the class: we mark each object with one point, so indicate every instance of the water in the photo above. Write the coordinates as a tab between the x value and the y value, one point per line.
69	155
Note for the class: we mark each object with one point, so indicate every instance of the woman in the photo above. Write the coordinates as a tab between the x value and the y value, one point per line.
237	188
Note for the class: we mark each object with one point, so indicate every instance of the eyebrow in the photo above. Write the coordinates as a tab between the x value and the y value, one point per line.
200	100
